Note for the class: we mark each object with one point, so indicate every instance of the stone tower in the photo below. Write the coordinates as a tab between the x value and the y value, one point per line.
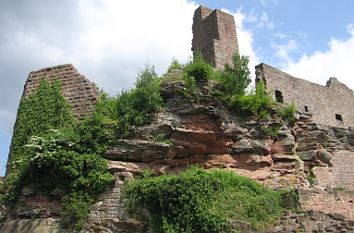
81	93
214	35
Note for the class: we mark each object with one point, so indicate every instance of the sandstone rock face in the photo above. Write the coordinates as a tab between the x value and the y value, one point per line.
137	151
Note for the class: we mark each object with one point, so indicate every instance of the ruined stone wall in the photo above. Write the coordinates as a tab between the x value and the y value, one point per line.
79	91
335	202
214	34
340	174
324	102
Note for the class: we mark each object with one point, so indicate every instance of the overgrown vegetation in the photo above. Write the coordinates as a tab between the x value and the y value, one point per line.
201	201
288	113
54	163
258	103
199	69
134	107
47	153
235	78
269	131
311	177
52	150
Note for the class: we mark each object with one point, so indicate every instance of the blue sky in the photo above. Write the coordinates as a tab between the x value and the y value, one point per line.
110	41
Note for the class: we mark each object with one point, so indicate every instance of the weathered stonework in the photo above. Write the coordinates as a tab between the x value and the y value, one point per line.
79	91
214	35
339	202
329	105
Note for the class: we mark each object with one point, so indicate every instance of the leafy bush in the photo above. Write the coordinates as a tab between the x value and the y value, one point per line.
235	78
191	89
199	68
162	138
51	149
269	131
42	110
135	107
175	65
198	201
75	208
97	133
288	113
257	104
53	163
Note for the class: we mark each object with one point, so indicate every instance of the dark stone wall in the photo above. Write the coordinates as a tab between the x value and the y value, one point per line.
214	34
79	91
323	102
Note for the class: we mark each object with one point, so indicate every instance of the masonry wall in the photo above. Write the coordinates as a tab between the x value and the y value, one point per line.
336	202
214	34
79	91
340	174
324	102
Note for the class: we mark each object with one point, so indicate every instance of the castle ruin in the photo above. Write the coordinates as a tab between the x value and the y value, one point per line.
77	90
329	105
214	35
81	93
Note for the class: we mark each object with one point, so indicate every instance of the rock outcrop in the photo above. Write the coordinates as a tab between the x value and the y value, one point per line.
313	159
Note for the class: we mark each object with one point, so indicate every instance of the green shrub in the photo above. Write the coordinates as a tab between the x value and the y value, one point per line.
235	78
200	201
75	208
162	138
191	89
44	109
199	68
257	104
288	113
51	149
54	163
269	131
175	65
134	107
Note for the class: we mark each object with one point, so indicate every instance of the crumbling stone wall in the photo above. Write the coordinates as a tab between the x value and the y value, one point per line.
340	174
329	105
334	202
79	91
214	35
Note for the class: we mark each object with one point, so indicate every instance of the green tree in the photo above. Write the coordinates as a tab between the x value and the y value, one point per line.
259	103
134	107
235	78
199	68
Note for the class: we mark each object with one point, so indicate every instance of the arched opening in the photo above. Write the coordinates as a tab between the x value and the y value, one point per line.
339	118
279	96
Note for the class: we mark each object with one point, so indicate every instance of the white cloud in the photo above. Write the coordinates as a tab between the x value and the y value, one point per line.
282	52
337	62
108	41
266	2
245	40
265	22
260	20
